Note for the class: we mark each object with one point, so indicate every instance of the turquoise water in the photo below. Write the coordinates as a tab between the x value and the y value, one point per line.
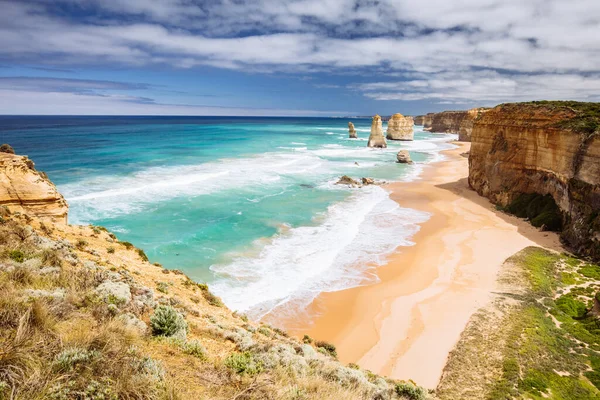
246	204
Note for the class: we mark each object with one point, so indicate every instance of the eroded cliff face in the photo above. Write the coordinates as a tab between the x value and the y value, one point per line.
376	138
466	126
25	190
400	127
424	120
530	148
447	121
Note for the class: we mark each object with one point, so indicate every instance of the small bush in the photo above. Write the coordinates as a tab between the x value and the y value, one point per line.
68	359
16	255
142	255
162	287
326	346
166	321
7	148
51	258
212	299
194	348
127	245
81	244
307	339
110	250
243	363
570	306
410	391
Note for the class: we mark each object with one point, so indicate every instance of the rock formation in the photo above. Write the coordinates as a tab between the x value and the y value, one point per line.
543	148
403	157
447	121
352	131
25	190
376	138
466	126
424	120
400	128
346	180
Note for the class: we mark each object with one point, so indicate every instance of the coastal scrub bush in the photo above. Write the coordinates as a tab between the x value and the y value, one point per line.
243	363
7	148
162	287
209	297
166	321
328	347
16	255
570	306
81	244
110	250
68	359
127	245
307	339
142	255
194	348
410	391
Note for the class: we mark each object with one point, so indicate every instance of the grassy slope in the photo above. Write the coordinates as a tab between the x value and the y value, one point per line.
588	114
67	341
535	341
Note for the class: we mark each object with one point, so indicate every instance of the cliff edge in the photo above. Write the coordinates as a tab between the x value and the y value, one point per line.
525	156
24	189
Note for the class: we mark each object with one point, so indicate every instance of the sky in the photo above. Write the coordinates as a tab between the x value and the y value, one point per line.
294	57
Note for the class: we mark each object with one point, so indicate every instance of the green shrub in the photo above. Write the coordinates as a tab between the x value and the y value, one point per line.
307	339
7	148
243	363
326	346
16	255
570	306
410	391
69	359
81	244
166	321
127	245
110	250
162	287
540	209
194	348
142	255
212	299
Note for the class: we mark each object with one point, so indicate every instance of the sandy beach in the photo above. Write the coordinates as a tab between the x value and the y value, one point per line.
405	325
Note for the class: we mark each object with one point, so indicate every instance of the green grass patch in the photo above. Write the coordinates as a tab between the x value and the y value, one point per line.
541	210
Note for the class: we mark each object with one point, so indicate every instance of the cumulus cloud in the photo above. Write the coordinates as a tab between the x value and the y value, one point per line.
486	50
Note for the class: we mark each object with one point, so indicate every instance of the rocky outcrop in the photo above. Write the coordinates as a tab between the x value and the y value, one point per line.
376	138
403	157
447	121
424	120
351	131
544	148
25	190
466	126
400	127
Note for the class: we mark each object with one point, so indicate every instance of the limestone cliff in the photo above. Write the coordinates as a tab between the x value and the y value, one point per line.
546	148
400	127
351	131
376	138
447	121
466	126
25	190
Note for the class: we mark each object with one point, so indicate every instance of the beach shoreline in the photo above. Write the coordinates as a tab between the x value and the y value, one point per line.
405	325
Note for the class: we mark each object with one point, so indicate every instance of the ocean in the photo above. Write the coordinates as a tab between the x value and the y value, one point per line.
248	205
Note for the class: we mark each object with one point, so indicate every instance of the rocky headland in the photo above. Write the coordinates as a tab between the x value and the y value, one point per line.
541	160
25	190
376	138
400	127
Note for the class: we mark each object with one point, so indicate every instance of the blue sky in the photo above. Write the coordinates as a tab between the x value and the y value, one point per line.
295	57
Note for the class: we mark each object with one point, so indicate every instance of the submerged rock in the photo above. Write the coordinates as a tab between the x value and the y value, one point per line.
403	157
352	131
376	139
400	128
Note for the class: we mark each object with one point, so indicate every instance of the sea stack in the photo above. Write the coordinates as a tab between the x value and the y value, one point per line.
400	127
352	131
376	139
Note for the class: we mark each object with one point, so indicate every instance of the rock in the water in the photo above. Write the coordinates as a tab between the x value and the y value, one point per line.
346	180
403	157
118	291
368	181
352	131
400	127
376	139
